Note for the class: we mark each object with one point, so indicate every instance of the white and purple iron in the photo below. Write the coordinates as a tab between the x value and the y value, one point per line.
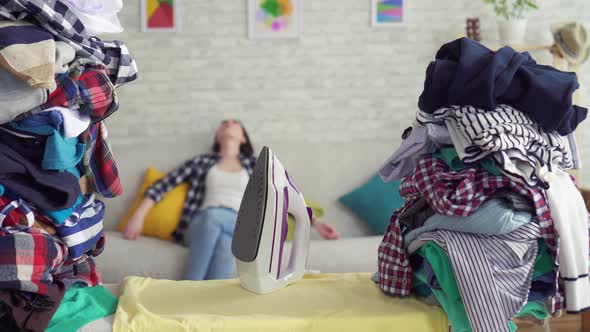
261	228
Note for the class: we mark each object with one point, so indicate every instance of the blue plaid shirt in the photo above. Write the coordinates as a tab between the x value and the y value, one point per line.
194	172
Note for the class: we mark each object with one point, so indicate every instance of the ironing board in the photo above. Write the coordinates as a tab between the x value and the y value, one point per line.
322	302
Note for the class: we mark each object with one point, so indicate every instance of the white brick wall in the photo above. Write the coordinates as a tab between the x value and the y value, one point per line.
341	81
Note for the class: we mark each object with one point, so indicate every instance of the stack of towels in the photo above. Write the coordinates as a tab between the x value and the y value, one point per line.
57	86
492	227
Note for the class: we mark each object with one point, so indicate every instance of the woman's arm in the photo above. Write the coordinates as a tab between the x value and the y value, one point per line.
179	175
134	226
327	231
155	193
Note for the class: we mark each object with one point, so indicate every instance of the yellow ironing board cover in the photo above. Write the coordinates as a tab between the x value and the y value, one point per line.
322	303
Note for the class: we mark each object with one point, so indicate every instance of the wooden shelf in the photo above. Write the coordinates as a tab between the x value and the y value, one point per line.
494	45
522	48
531	48
565	323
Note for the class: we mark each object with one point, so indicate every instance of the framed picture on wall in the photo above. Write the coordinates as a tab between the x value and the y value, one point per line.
159	15
274	19
389	13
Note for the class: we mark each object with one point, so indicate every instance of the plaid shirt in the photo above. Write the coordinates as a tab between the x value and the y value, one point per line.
193	171
87	88
28	258
56	17
458	194
82	272
98	163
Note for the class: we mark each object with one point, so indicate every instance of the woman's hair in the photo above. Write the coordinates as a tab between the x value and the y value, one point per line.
246	149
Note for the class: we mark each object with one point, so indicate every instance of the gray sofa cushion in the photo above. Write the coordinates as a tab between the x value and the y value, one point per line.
153	258
146	257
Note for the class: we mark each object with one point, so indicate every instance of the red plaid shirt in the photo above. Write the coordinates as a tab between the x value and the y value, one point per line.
99	164
28	259
457	194
86	87
82	272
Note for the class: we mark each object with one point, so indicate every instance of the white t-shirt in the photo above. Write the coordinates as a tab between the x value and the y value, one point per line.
224	189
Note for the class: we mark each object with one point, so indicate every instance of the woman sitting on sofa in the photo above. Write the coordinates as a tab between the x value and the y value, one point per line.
217	183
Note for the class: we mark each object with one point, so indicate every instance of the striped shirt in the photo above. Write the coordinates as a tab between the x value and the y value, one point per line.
417	142
493	273
83	230
194	172
521	147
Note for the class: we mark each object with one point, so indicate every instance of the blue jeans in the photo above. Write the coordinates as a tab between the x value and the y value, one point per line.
209	239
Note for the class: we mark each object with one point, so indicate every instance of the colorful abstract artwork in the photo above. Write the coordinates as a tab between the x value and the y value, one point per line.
274	18
159	15
388	12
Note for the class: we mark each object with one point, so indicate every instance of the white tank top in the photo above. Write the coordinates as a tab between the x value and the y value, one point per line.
224	189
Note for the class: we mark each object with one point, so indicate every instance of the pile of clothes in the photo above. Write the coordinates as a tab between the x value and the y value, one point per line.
492	227
57	86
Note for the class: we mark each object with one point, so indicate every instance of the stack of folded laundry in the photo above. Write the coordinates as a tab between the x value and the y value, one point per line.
492	227
57	86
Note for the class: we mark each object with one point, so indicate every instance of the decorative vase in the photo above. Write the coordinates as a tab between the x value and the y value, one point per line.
512	31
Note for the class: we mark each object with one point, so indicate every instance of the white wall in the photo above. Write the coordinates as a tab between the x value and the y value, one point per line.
342	81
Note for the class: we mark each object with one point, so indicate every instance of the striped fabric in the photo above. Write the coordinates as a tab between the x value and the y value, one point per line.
494	273
193	171
57	18
83	230
13	211
521	147
417	142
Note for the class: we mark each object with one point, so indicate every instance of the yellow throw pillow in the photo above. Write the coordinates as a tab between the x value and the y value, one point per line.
163	218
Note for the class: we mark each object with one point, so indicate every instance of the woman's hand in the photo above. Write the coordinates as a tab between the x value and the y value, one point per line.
326	230
133	229
135	224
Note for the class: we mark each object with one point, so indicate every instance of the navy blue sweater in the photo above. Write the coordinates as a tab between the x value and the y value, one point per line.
467	73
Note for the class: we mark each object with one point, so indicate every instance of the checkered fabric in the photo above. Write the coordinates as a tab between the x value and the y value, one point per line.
395	272
86	87
28	259
82	272
193	171
98	163
458	194
56	17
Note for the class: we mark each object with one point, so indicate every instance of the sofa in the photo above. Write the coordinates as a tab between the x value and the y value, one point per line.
322	171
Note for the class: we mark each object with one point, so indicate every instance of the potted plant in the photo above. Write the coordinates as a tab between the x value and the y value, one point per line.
511	22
